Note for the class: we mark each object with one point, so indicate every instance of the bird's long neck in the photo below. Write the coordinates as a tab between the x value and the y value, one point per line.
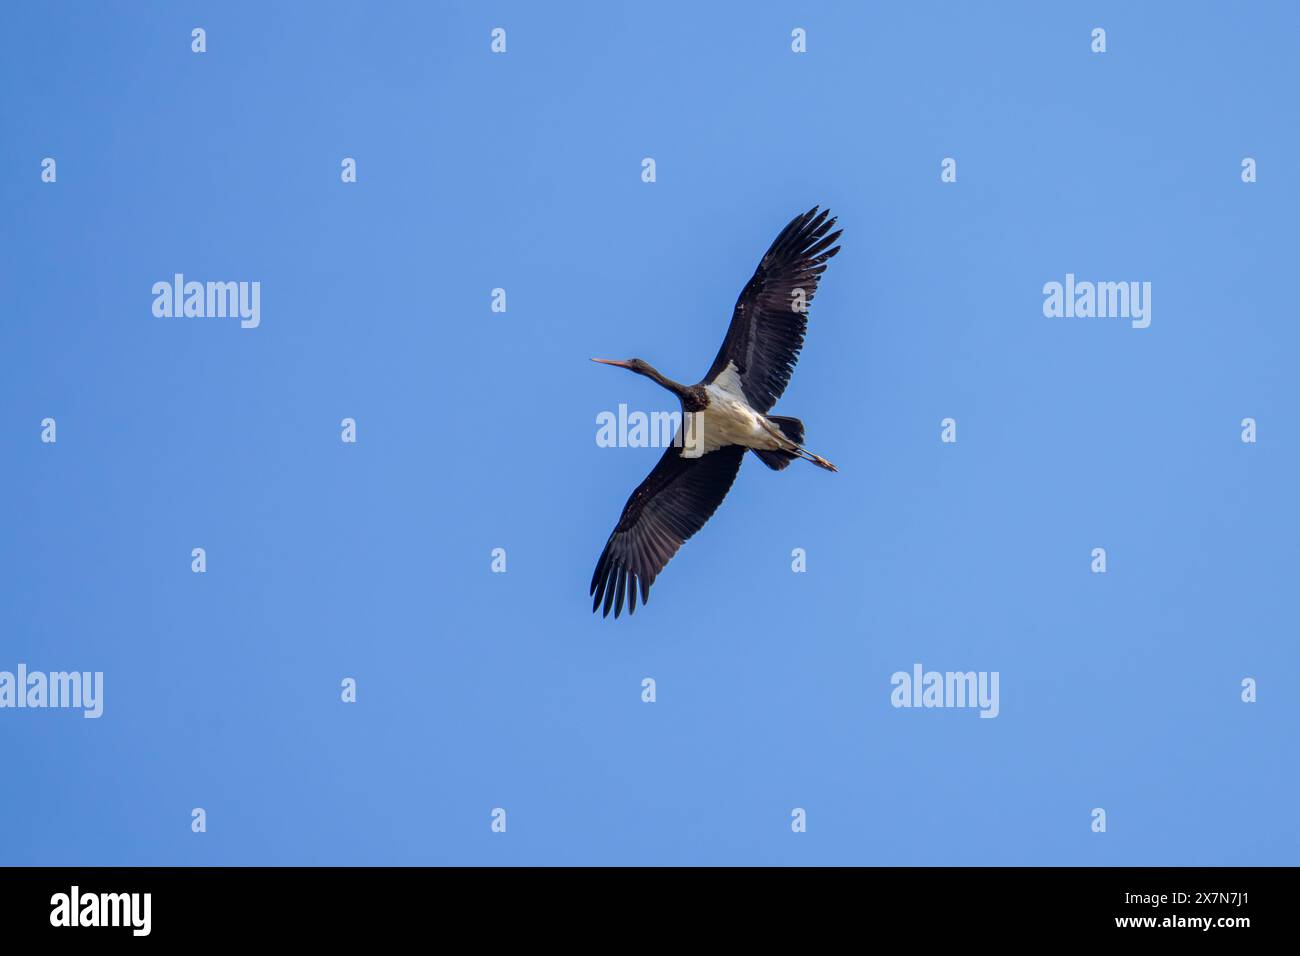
677	388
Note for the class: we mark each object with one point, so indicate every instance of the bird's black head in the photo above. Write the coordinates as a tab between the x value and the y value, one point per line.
633	364
642	367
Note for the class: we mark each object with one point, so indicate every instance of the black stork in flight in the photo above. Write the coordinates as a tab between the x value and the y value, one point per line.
728	412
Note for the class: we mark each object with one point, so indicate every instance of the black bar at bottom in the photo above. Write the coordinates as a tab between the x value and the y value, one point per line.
208	905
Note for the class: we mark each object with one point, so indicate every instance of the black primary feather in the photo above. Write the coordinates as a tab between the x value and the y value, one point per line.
767	329
673	503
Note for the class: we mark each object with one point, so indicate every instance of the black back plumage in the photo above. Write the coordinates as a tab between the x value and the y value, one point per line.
767	331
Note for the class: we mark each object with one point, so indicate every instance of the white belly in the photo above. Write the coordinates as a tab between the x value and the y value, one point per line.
728	420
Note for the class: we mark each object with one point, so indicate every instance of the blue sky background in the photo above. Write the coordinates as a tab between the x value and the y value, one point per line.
476	431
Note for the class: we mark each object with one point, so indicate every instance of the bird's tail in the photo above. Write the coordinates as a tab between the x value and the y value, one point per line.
792	429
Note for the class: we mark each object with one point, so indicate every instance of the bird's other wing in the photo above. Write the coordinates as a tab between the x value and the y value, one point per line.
767	326
673	503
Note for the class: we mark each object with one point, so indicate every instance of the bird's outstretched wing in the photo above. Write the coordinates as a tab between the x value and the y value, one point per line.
768	325
673	503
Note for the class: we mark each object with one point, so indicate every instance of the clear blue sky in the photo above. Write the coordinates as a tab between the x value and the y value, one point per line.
476	430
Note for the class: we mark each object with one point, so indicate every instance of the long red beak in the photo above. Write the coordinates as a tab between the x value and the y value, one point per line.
615	362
